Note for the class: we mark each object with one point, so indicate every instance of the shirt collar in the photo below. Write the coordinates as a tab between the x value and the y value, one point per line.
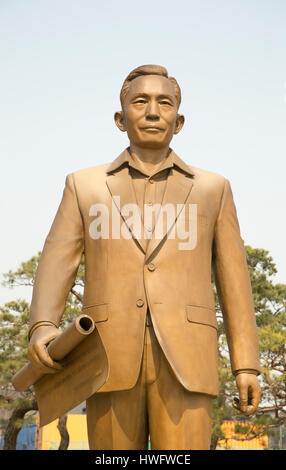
171	161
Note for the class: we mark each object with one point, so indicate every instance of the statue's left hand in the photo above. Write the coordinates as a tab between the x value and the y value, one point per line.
249	393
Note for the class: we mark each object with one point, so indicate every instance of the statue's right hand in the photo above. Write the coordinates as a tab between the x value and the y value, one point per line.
38	353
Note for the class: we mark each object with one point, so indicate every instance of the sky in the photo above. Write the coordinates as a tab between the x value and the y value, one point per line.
62	66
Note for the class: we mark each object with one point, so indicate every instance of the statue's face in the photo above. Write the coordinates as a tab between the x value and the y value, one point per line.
150	112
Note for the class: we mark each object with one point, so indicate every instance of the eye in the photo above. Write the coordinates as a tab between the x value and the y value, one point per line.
140	101
164	102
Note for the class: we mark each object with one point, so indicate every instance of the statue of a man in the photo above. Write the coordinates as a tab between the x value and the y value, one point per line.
148	280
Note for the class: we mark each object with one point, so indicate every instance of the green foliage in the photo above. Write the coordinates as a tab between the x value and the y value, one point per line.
270	310
14	318
13	338
25	274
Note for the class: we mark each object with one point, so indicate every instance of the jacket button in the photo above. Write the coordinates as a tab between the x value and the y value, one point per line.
140	303
151	267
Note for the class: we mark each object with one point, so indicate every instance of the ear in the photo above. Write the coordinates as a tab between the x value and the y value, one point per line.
120	121
179	123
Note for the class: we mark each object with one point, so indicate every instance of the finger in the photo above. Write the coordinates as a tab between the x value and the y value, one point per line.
45	367
44	357
249	410
36	362
235	404
41	351
48	338
243	398
254	394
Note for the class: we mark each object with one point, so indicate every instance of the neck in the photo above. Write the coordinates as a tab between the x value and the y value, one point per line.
148	158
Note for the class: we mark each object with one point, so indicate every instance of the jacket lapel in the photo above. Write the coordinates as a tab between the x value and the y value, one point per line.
120	184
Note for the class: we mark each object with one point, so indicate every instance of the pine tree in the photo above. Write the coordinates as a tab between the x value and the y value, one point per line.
14	317
270	310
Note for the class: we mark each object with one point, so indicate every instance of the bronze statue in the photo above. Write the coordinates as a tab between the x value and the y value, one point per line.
149	291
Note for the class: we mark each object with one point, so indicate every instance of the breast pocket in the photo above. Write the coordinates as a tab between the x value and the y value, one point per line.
98	312
202	315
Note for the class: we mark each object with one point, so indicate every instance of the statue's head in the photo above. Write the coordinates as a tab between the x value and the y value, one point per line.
150	100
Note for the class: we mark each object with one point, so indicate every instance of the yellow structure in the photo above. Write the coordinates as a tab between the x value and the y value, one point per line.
49	438
228	427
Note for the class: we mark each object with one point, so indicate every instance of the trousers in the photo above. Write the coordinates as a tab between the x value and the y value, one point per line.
158	409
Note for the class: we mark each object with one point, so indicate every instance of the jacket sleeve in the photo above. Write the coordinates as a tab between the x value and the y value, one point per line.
234	287
59	261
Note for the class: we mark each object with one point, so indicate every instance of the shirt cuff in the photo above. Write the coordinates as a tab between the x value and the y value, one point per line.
36	325
246	371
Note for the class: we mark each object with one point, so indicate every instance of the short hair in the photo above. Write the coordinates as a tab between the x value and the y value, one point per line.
148	70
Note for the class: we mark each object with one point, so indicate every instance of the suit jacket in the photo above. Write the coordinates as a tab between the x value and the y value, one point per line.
124	275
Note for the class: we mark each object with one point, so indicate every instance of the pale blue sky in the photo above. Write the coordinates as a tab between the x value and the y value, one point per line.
62	65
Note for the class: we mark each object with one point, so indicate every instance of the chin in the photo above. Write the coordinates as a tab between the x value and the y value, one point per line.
153	143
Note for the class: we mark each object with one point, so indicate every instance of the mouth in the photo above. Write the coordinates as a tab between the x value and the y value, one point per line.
153	129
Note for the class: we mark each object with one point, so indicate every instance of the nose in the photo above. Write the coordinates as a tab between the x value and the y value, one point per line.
152	111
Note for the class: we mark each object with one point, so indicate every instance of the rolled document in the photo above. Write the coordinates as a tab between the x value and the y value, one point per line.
58	349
